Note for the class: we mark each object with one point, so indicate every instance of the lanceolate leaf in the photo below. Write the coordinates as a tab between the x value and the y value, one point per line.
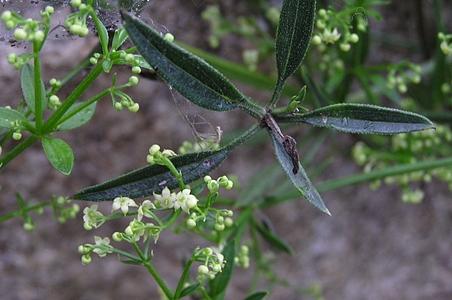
361	118
9	116
28	90
294	34
189	289
150	179
79	119
191	76
274	241
59	154
299	178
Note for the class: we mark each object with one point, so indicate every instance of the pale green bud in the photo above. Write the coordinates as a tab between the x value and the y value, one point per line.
133	80
169	37
20	34
86	259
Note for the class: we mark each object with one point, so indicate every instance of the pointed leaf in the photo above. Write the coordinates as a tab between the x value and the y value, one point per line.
188	74
28	89
9	116
119	38
298	178
219	284
189	289
271	238
361	118
257	296
59	154
79	119
294	34
150	179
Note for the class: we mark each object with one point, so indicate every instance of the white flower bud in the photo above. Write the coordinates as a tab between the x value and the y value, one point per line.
228	222
191	223
93	60
118	105
203	270
219	227
354	38
345	47
316	40
169	37
130	58
86	259
133	80
136	70
154	149
117	236
207	178
17	136
76	3
6	15
20	34
134	108
50	10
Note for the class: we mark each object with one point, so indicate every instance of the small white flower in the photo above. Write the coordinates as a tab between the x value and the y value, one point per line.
144	209
168	153
166	199
185	201
92	217
330	37
123	203
102	246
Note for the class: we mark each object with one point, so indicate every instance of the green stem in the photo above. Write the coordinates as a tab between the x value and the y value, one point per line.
183	279
18	213
154	273
72	98
8	157
37	86
86	104
126	254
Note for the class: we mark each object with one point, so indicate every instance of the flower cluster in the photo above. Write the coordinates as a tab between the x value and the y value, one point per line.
64	209
183	200
212	262
28	29
243	258
214	185
77	22
92	218
17	61
400	75
408	148
100	247
445	43
327	33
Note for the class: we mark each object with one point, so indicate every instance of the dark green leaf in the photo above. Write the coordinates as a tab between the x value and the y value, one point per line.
188	74
189	289
220	282
59	154
257	296
28	87
150	179
299	178
361	118
135	6
9	116
79	119
294	34
272	239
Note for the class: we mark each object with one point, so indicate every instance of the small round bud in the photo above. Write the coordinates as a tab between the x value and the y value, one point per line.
86	226
133	80
230	185
154	149
50	10
134	108
83	31
207	178
203	270
169	37
354	38
213	186
191	202
402	88
28	226
54	99
6	15
76	3
150	159
20	34
322	12
219	227
130	58
117	236
12	57
10	24
17	136
220	219
83	6
345	47
93	60
228	222
191	223
118	105
86	259
216	268
416	79
136	70
316	40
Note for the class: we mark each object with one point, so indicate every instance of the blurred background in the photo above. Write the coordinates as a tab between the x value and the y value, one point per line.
377	245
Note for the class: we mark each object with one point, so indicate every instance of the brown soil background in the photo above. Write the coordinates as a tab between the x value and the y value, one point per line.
374	246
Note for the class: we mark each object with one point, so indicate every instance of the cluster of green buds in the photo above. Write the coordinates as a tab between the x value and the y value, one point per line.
122	100
54	102
28	29
17	61
243	258
408	148
137	230
212	261
445	43
327	32
64	209
76	22
100	247
402	74
17	130
214	185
